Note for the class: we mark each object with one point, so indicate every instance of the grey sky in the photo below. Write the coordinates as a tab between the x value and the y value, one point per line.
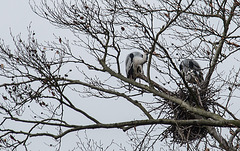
17	16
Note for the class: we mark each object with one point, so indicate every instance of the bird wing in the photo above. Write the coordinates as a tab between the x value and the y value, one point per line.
129	66
197	71
196	66
130	72
191	68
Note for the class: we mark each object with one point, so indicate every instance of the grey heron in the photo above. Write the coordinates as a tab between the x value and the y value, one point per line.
191	71
134	64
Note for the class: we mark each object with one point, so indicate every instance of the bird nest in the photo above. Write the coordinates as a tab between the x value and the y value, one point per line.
187	133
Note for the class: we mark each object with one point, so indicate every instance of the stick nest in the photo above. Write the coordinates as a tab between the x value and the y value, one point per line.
186	134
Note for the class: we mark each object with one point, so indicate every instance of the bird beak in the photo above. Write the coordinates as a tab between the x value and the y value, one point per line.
156	54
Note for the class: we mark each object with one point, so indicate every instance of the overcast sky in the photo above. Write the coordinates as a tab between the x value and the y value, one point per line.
16	16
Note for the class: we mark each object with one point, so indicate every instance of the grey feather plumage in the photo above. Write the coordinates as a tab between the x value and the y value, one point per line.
191	71
134	64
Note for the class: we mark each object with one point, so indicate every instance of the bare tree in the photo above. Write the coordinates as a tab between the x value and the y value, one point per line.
54	76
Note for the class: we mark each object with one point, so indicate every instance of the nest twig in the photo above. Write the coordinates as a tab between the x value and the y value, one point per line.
186	134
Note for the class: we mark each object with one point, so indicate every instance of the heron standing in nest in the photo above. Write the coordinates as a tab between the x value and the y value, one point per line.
191	71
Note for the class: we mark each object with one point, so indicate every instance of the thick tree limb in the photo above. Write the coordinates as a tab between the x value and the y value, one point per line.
164	95
121	125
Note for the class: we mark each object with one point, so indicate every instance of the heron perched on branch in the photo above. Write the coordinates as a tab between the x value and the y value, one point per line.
134	64
191	71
